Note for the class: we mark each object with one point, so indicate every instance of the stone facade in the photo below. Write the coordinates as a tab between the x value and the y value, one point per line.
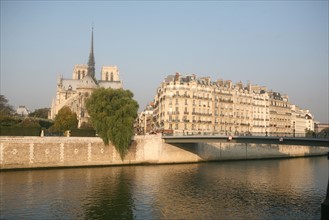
144	122
43	152
302	121
280	114
191	105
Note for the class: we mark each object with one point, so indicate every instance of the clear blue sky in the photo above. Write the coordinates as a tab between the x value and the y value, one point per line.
279	44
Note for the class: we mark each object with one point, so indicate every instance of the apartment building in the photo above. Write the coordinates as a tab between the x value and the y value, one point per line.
280	114
191	105
302	121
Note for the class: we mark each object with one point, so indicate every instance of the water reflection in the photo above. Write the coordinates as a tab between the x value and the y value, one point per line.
279	189
111	197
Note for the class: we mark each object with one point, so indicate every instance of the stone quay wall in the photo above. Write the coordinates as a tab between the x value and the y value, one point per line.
43	152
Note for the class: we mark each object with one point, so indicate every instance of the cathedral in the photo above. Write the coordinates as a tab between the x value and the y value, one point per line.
74	92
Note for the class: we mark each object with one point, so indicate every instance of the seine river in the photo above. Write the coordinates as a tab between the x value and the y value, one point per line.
262	189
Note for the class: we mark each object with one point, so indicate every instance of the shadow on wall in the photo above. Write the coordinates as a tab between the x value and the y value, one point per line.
236	151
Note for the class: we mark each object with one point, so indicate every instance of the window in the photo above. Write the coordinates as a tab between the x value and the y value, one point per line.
111	76
107	76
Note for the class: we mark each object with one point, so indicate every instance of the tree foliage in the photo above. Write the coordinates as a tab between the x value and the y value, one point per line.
65	120
112	113
5	108
324	133
40	113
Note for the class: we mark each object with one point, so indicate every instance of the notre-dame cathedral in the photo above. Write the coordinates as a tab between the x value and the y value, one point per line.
74	92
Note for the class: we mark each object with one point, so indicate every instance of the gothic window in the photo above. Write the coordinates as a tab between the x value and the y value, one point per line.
111	76
79	74
107	76
83	73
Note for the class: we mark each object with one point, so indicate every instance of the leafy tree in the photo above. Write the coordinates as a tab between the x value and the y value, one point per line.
29	122
324	133
86	125
40	113
5	108
112	113
309	133
65	120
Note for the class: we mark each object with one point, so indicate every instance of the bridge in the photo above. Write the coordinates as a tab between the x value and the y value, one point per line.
305	141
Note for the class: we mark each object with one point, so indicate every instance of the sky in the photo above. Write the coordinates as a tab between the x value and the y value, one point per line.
282	45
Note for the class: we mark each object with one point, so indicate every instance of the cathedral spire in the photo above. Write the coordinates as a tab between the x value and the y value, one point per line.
91	61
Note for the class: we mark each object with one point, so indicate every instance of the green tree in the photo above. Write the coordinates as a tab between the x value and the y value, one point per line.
5	108
65	120
29	123
40	113
112	113
324	133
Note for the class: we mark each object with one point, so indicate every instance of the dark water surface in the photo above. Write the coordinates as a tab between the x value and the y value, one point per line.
264	189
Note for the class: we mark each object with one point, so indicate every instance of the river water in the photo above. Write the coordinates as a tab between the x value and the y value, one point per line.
259	189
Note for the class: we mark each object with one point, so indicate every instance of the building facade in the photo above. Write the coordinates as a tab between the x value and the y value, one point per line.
302	121
22	111
74	92
144	123
191	105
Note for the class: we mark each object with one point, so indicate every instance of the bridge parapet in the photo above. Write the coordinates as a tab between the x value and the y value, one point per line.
304	141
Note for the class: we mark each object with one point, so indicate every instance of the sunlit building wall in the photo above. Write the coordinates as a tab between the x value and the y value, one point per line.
191	105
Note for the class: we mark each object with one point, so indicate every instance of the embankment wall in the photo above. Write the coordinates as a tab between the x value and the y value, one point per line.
42	152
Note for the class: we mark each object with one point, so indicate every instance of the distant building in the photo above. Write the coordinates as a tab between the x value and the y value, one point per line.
74	92
302	121
144	121
191	105
22	111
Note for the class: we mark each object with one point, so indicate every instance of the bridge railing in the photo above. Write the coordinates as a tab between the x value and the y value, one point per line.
246	134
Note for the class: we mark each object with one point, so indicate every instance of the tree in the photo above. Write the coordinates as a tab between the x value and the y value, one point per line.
5	108
324	133
112	113
65	120
40	113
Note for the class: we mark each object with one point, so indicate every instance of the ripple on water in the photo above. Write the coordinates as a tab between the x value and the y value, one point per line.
273	189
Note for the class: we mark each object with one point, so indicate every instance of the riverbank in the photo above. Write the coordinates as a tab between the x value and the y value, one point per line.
54	152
